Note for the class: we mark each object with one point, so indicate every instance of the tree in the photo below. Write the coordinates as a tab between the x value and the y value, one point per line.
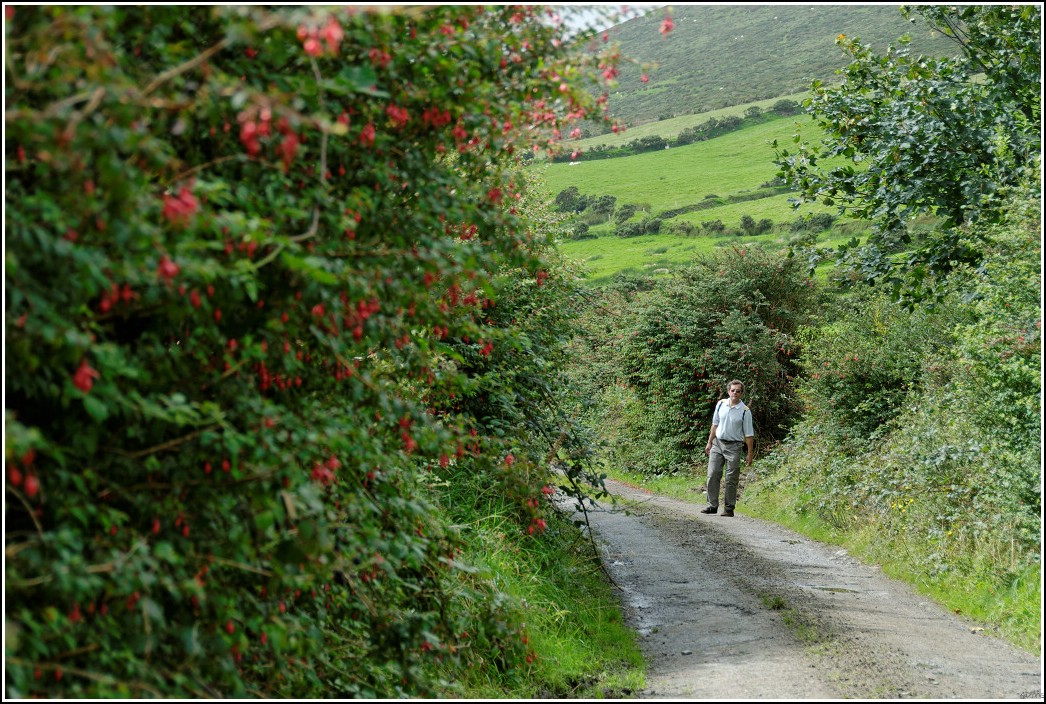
603	205
733	314
251	258
907	134
567	200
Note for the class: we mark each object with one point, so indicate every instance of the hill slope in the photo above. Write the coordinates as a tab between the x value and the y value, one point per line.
723	55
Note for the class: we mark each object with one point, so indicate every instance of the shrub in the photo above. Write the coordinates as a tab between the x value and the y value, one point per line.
245	284
859	370
625	212
580	231
732	315
630	229
786	107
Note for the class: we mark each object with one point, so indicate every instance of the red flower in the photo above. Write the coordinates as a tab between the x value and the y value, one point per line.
288	148
667	26
399	115
333	34
367	135
178	209
83	378
322	474
379	58
32	485
167	269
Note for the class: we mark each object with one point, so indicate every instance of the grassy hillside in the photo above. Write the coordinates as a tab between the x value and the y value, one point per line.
723	55
731	168
733	163
670	128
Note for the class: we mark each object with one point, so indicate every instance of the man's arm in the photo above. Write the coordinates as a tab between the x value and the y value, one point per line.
750	441
711	437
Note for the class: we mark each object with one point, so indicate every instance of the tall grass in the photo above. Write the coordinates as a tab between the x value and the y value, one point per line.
577	643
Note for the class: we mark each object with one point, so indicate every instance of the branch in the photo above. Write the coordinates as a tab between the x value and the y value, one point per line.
90	569
187	66
85	674
166	445
239	565
314	227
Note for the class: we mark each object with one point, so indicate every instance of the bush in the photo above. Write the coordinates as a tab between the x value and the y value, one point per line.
682	228
786	107
905	445
580	231
630	229
813	223
235	338
625	212
860	369
732	315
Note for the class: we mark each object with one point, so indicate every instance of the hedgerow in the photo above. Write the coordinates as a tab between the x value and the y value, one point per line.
923	428
254	259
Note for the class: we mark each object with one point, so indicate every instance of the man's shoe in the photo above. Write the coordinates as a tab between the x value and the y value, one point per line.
710	509
727	512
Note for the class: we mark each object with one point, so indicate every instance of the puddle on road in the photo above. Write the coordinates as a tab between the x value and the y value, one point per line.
839	590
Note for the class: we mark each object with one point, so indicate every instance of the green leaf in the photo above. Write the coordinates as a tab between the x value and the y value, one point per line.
96	408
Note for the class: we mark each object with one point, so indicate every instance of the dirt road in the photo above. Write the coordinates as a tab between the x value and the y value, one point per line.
738	608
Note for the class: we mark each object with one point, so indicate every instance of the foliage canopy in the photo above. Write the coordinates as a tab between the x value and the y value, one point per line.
909	134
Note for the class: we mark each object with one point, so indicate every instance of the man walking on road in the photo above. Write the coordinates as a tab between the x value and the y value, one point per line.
731	428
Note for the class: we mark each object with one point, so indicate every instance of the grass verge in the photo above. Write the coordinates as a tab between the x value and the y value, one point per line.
580	646
1008	605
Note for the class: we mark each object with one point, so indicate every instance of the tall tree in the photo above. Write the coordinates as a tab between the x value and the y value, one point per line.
906	135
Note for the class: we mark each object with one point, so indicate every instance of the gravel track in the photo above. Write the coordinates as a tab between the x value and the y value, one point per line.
739	608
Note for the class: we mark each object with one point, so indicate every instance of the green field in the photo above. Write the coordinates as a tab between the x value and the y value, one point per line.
732	166
735	163
605	257
671	127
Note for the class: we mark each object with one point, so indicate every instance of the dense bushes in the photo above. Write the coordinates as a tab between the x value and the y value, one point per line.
731	315
859	369
923	429
264	274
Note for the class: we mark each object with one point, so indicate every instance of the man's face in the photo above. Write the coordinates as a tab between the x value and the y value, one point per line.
735	392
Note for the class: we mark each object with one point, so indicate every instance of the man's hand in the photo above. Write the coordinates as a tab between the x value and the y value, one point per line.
708	449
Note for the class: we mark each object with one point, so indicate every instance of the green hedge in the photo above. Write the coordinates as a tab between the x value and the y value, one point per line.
251	259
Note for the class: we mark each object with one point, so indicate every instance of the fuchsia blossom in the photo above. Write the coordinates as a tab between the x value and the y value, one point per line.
180	208
84	376
398	115
167	269
667	26
367	135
